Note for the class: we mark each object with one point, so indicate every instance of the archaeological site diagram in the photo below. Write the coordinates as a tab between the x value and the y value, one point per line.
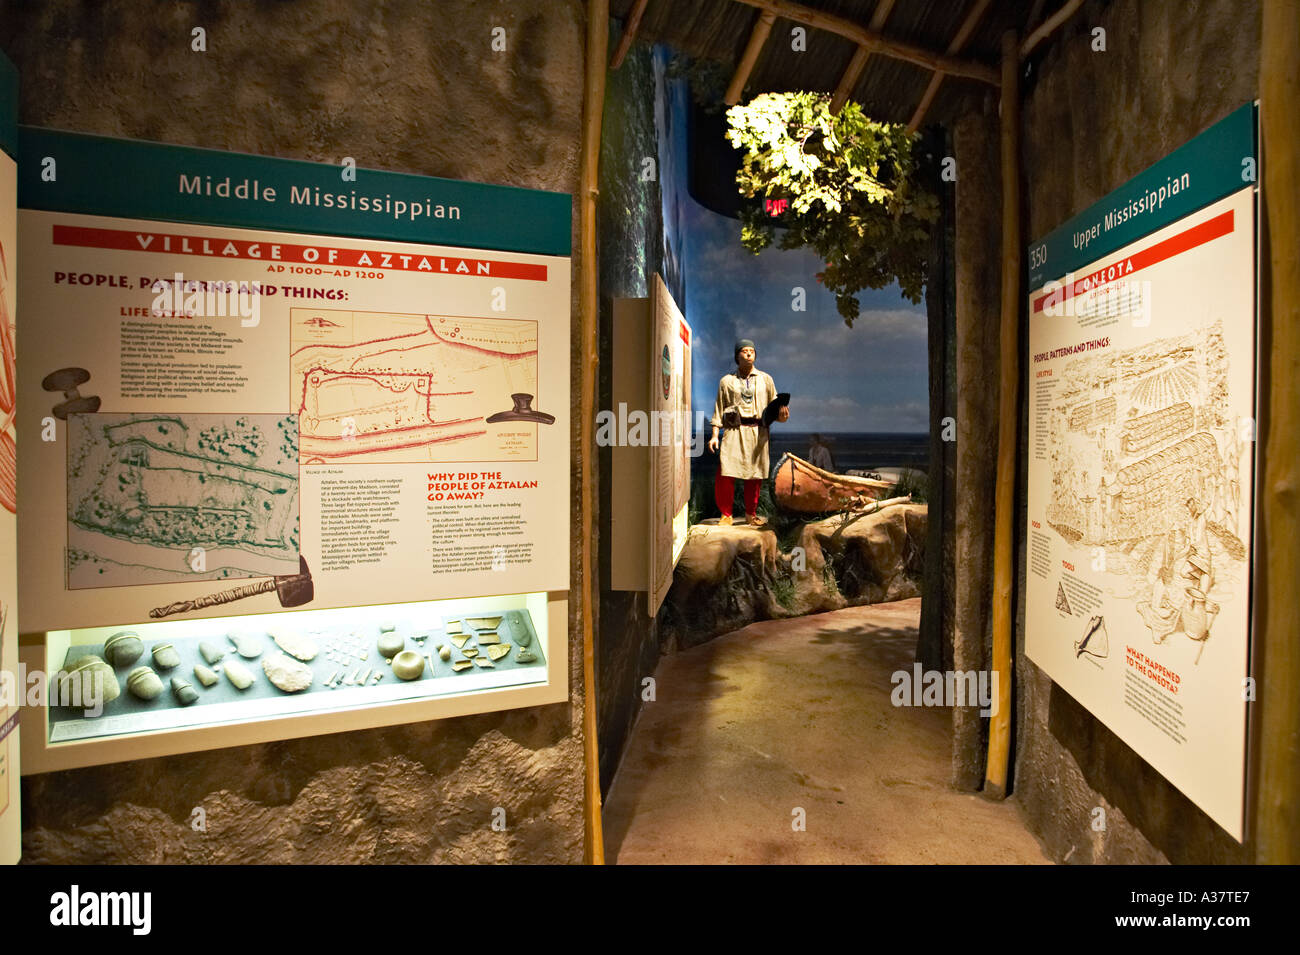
157	498
378	387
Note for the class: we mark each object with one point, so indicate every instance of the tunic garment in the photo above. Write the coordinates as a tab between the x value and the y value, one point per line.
742	451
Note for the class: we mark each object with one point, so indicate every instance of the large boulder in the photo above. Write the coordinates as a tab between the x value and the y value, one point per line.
729	577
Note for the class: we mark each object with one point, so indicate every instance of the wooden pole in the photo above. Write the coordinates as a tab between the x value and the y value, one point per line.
1048	25
629	33
1277	816
762	28
995	772
873	41
963	34
860	56
593	109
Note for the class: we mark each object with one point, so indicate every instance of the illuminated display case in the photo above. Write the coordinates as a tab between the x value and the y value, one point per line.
202	684
349	431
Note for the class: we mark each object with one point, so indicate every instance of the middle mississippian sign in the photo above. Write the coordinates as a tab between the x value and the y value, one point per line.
266	374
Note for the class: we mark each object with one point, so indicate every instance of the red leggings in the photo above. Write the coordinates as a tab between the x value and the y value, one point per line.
724	492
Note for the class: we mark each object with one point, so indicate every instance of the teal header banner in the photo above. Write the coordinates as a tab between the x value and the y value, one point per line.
8	106
1215	164
132	179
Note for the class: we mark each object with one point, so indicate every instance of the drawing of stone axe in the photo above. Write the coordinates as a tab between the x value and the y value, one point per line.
294	590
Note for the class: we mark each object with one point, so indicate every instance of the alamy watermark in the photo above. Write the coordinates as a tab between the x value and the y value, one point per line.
639	429
946	688
198	298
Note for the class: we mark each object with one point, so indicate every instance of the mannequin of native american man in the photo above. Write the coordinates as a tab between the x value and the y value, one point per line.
743	395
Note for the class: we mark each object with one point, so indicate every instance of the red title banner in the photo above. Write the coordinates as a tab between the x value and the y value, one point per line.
216	247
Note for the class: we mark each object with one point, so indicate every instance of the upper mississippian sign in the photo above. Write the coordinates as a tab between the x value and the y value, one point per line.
1216	163
141	180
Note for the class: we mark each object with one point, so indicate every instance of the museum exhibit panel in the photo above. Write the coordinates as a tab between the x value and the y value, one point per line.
1142	409
301	427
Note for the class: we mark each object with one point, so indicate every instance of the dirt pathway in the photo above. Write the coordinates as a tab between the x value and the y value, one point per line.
796	715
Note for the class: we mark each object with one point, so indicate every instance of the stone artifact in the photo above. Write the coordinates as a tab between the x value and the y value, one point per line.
525	656
391	644
484	623
184	691
460	665
523	637
238	674
286	673
408	665
211	652
246	645
204	675
87	680
522	411
296	645
387	626
497	651
123	648
144	683
487	637
444	652
470	651
485	663
165	656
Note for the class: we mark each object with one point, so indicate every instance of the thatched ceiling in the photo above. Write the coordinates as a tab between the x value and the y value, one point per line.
888	89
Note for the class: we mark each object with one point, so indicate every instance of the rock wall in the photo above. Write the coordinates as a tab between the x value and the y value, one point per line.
401	85
631	251
728	577
1091	121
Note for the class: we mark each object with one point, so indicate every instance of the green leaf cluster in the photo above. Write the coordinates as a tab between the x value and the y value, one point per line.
856	195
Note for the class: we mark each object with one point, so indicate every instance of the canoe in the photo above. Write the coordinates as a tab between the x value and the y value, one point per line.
807	489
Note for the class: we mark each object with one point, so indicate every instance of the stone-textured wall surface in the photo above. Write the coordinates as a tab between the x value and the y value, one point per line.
1091	121
631	251
728	577
402	85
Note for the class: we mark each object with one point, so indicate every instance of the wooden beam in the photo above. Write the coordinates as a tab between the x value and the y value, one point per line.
995	772
850	79
762	28
897	49
963	34
593	110
1277	814
1050	24
630	27
859	61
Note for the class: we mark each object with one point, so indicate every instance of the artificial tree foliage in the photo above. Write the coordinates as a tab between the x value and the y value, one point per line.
854	190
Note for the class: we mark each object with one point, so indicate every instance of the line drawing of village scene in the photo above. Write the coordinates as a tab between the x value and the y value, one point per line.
1146	461
375	386
159	498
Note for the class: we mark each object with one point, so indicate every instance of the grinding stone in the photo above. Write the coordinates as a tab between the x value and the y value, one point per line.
123	648
286	673
296	645
144	683
238	674
184	691
211	652
165	656
247	645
